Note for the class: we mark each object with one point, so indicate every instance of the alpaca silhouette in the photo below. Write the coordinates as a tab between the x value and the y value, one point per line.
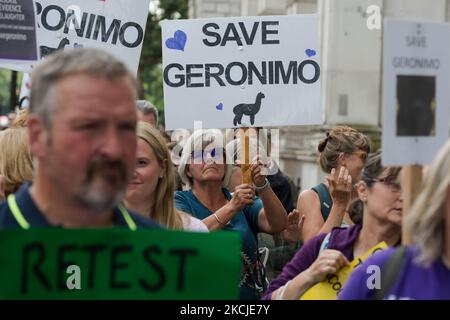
248	109
45	51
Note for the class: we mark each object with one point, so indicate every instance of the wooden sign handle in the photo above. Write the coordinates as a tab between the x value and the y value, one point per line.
245	155
411	184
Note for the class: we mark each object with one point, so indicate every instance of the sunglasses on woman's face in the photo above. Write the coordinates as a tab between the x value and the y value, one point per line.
199	156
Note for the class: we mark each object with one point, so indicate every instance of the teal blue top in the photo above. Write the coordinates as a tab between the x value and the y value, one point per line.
246	223
326	202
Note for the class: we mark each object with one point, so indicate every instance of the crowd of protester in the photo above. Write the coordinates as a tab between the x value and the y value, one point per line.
87	153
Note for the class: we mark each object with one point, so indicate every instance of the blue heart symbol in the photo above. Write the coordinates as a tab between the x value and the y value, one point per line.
219	106
310	53
178	41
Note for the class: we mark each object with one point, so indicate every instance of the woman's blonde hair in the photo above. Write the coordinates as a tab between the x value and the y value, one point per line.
16	164
21	121
199	140
341	139
425	220
163	210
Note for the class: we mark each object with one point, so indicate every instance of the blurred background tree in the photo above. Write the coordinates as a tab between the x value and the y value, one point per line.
9	90
4	92
150	68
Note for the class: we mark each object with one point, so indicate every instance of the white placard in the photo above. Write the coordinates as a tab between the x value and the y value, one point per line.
117	26
25	90
242	72
416	90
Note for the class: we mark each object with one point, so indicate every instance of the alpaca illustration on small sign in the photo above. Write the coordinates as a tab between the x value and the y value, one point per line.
248	109
45	51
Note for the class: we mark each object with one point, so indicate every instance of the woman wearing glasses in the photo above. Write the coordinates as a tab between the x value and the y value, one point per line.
343	154
382	202
205	169
422	270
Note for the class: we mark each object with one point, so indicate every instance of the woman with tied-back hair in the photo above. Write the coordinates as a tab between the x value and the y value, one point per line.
343	154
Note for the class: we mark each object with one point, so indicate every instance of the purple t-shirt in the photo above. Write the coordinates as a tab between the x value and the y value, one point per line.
414	282
342	239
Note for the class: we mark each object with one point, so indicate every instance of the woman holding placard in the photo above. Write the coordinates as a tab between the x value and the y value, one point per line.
382	202
205	168
422	270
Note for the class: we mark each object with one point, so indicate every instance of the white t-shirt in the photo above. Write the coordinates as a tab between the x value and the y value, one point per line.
191	223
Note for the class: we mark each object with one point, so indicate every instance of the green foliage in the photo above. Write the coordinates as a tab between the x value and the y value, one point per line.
5	87
5	77
150	73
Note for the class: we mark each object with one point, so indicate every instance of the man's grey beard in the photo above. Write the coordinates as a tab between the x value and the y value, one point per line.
99	201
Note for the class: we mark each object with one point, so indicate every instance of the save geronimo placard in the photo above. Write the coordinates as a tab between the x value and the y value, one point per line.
416	90
116	26
241	72
118	264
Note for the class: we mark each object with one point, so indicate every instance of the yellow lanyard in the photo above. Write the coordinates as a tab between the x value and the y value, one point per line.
23	223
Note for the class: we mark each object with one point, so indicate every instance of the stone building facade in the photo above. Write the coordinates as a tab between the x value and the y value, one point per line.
351	66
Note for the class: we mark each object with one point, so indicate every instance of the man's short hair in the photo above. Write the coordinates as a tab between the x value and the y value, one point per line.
146	107
46	74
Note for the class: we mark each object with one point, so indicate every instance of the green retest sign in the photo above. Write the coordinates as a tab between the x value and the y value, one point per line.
118	264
